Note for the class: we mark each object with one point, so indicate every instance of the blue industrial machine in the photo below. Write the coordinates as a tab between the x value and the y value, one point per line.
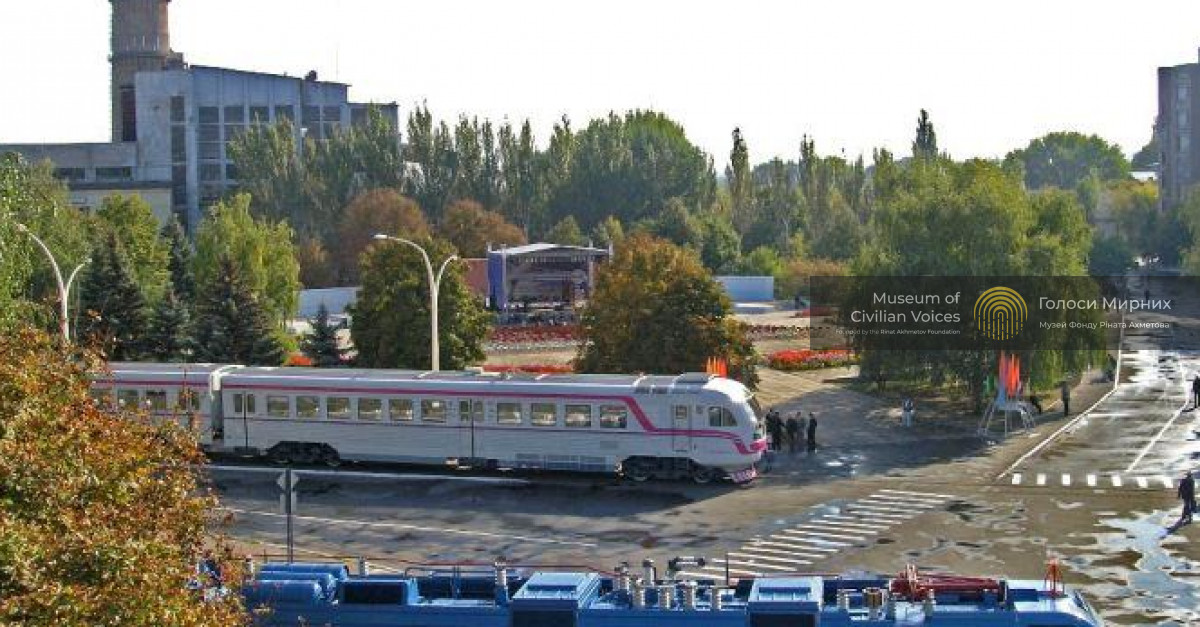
503	596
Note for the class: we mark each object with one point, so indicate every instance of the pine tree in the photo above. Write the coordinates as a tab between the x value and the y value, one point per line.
116	311
168	336
321	345
179	261
232	325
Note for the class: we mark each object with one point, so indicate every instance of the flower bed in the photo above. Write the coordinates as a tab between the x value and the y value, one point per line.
792	360
534	335
532	368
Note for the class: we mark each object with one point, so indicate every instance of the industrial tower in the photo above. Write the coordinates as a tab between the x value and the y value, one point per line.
141	41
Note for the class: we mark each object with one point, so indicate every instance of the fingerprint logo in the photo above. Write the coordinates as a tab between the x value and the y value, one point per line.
1000	313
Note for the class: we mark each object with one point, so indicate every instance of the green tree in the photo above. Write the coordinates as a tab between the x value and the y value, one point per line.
321	345
179	261
104	515
1147	158
116	310
271	169
232	324
925	146
741	185
471	229
1110	256
132	221
762	261
520	176
566	233
1066	159
262	251
168	335
657	310
676	225
721	244
390	321
608	232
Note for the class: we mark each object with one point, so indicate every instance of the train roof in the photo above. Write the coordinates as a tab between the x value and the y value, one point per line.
137	371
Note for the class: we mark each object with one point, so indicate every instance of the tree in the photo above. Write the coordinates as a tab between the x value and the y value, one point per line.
179	261
722	245
1066	159
232	324
518	156
116	311
676	225
132	221
316	268
925	146
657	310
1147	158
377	211
566	233
471	229
271	169
321	345
262	251
104	515
608	232
1110	256
30	195
168	335
740	184
390	321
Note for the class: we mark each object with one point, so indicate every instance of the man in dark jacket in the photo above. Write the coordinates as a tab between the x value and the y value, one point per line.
812	432
775	429
1196	392
1066	398
1187	494
793	432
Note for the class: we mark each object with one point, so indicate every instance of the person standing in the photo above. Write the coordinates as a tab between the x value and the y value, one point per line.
812	432
793	432
1196	392
1187	494
907	408
775	429
1065	391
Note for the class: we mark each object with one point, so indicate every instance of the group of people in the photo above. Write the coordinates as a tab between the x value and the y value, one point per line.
791	432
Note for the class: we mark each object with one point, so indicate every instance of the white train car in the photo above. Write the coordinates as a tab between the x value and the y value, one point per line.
186	394
692	425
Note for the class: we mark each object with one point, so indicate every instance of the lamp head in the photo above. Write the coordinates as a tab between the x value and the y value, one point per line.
21	227
380	236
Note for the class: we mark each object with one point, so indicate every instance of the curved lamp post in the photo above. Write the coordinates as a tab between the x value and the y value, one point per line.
64	290
435	285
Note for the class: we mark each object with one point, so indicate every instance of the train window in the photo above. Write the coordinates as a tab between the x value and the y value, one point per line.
308	407
244	404
156	400
127	399
279	406
508	413
720	417
101	397
337	407
470	411
433	410
400	409
579	416
613	417
370	408
543	414
187	400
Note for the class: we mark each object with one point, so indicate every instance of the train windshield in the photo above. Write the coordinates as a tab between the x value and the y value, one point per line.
759	421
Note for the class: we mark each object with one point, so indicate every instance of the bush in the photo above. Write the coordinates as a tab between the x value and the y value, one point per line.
794	360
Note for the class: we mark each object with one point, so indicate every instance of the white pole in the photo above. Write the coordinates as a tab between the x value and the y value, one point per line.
435	285
63	325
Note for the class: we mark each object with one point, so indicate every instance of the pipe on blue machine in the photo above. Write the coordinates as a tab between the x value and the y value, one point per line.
501	582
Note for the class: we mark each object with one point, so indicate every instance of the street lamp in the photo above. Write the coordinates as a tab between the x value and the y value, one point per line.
435	285
64	291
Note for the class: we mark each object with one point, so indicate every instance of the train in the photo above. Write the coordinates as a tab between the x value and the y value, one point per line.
693	425
286	594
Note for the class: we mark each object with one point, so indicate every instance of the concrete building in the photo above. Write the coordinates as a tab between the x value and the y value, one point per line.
172	123
1178	131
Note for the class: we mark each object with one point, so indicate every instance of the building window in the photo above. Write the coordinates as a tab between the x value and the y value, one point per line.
508	413
128	115
329	131
210	172
231	172
122	173
210	151
285	112
312	116
178	112
235	113
613	417
543	414
70	174
179	194
210	115
260	115
210	132
233	131
179	144
332	114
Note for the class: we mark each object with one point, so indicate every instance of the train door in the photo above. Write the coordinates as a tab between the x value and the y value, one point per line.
470	416
681	428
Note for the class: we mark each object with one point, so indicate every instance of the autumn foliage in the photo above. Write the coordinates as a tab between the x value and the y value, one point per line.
806	359
102	516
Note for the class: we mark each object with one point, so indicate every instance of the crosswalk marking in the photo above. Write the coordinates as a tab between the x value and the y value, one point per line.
1142	483
878	511
1116	481
789	549
754	564
921	495
1066	479
822	528
817	537
768	558
1166	481
1041	479
1091	481
877	523
1016	478
885	499
851	526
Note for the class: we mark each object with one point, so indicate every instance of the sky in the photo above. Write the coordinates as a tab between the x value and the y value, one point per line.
851	73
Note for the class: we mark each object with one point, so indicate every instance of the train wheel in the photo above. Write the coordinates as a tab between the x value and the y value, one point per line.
330	457
704	474
638	471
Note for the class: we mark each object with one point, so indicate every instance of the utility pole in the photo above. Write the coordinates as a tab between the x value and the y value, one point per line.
287	502
435	285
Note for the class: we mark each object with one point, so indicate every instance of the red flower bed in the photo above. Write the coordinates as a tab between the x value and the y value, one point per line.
532	368
791	360
534	335
299	360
